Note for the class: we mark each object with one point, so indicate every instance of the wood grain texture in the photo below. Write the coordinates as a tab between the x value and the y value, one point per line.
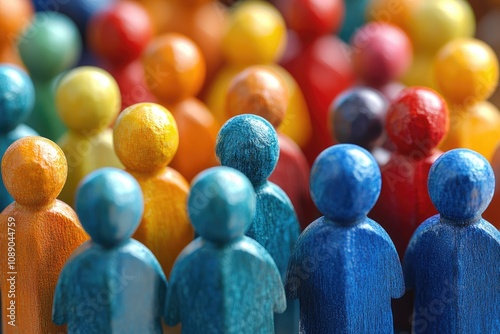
345	269
451	261
46	232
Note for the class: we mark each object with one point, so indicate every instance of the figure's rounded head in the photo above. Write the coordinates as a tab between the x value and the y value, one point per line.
87	98
109	204
249	144
461	185
145	137
260	91
417	121
357	116
14	15
345	183
17	97
221	204
256	34
174	68
381	53
466	71
50	45
120	33
34	170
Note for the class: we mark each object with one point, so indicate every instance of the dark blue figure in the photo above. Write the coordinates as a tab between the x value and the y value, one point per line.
249	144
17	98
223	282
452	261
110	284
357	116
345	268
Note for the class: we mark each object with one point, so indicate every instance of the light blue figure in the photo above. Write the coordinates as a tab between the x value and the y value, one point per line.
223	282
345	268
110	284
452	261
249	144
17	98
355	17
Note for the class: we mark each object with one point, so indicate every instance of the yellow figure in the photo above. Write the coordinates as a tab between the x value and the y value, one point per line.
256	35
146	139
466	71
87	100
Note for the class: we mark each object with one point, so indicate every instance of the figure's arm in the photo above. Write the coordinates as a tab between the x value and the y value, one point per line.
278	291
62	300
171	313
409	265
397	282
292	277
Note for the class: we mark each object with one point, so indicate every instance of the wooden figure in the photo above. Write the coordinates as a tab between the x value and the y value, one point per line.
357	116
466	71
17	97
223	282
416	122
355	17
111	284
14	16
260	91
174	71
88	100
38	234
146	139
452	259
256	35
250	144
492	213
48	47
119	35
345	269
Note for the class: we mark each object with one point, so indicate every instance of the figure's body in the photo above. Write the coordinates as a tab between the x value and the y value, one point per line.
492	213
48	47
249	144
146	139
88	101
224	282
17	97
175	71
14	16
345	269
44	230
452	259
111	284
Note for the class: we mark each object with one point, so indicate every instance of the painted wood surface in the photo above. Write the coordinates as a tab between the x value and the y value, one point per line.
345	269
224	282
111	283
14	16
451	261
42	232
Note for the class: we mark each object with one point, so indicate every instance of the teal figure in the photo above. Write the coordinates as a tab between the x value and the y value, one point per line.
345	268
250	144
50	45
355	17
17	97
452	261
223	282
111	283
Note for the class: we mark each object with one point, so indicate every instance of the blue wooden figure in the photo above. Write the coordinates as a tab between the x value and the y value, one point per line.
249	144
110	284
17	97
452	259
345	268
223	282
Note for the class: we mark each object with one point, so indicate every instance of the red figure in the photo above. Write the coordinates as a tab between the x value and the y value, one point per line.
119	35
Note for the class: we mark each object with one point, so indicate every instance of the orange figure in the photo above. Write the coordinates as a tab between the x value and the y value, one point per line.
38	234
14	16
175	70
260	91
146	139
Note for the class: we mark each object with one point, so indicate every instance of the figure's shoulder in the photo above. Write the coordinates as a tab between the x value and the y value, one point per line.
196	251
273	193
134	249
253	248
371	227
488	231
84	256
169	177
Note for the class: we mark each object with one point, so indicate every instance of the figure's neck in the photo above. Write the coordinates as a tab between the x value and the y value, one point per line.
459	223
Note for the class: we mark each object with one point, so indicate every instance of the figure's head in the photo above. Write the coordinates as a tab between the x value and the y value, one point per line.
109	204
87	99
249	144
17	97
221	204
345	183
461	185
145	137
34	170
